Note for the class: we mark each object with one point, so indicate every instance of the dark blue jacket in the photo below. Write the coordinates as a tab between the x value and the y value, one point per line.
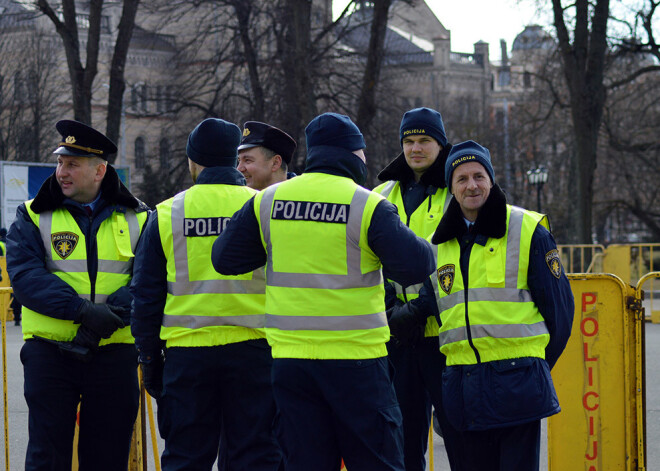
413	193
149	284
26	261
503	393
405	257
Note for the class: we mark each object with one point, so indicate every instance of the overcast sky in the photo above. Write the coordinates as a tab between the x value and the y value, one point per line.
488	20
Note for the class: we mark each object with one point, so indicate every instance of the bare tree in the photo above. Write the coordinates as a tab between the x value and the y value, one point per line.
583	53
82	76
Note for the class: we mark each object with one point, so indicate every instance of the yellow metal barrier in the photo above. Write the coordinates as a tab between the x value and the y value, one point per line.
4	301
599	381
581	258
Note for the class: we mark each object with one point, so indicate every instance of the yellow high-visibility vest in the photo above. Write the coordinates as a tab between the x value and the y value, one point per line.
504	322
66	256
324	285
423	222
204	308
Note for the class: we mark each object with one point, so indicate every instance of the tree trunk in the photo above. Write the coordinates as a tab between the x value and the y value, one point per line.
583	66
117	68
367	103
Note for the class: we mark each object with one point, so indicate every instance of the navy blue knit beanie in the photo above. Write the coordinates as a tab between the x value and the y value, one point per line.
214	143
468	151
423	121
332	129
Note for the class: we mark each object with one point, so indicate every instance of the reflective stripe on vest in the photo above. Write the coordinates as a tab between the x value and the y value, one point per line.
202	312
353	279
116	240
420	224
335	309
499	339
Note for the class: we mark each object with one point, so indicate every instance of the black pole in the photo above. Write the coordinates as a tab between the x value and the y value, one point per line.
538	196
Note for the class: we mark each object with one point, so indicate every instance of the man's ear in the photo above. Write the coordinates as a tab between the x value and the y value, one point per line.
101	169
277	162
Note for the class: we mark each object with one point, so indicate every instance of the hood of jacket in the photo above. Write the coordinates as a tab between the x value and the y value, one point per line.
220	175
336	161
491	220
399	170
50	196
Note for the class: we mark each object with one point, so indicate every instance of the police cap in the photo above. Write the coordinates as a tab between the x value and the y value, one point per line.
80	140
257	134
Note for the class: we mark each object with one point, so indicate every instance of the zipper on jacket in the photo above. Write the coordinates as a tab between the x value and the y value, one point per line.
466	282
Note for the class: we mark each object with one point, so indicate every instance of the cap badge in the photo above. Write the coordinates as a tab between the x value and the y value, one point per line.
246	132
70	140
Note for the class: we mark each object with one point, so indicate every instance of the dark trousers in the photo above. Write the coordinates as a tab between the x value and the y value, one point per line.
333	409
206	389
515	448
418	385
107	389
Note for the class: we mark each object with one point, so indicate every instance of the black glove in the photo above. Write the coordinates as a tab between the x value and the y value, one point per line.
86	337
120	302
99	318
152	376
406	324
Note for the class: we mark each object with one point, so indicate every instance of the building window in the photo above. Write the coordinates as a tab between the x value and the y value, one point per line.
139	97
527	80
140	153
165	153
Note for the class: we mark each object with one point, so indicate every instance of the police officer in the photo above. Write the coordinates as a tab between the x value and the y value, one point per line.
324	238
217	364
265	154
70	260
415	183
3	242
506	311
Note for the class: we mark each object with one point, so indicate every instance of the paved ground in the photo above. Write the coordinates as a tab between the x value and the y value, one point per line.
17	409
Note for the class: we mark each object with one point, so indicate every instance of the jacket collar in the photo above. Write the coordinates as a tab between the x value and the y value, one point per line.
399	170
50	196
220	175
336	161
491	221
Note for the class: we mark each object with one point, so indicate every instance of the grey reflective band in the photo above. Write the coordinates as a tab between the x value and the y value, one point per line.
503	295
448	199
183	286
254	286
498	331
331	323
80	266
197	322
387	189
408	289
513	247
353	279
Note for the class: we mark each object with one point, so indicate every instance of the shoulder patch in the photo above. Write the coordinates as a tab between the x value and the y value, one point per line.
554	262
64	243
446	277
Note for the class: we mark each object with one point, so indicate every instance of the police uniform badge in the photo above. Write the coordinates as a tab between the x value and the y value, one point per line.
446	277
554	263
64	243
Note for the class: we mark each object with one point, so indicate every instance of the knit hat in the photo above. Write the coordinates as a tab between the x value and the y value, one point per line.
423	121
332	129
468	151
213	143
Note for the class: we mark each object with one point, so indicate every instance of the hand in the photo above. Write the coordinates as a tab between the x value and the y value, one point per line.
100	318
406	324
152	376
87	338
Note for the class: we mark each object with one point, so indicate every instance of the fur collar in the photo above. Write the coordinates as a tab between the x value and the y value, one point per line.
399	170
491	221
50	196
